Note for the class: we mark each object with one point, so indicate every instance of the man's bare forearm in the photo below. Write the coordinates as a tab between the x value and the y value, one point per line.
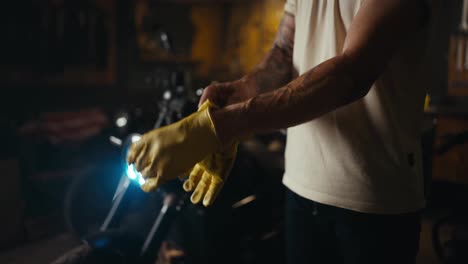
318	91
276	68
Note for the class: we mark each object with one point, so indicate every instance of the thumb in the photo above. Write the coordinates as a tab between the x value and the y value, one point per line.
216	92
151	184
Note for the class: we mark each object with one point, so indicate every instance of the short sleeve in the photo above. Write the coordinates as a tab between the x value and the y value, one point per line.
290	7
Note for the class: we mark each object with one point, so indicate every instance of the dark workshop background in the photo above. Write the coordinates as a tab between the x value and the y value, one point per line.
70	69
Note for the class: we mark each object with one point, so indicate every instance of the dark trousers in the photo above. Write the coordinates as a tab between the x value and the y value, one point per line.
318	233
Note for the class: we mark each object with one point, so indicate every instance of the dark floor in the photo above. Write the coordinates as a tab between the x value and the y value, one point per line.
426	252
39	252
47	250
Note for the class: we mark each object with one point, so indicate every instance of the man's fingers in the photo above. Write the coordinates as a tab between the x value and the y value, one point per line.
147	172
216	92
151	184
201	188
142	161
213	191
133	152
207	94
194	178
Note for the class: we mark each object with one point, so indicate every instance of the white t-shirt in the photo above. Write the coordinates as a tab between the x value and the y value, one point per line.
364	156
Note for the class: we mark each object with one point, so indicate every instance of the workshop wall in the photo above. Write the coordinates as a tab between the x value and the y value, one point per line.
226	39
230	40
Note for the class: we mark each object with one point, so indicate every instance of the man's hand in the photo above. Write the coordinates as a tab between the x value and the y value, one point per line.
227	93
169	152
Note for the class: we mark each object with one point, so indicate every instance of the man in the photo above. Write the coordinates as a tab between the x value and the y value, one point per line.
353	165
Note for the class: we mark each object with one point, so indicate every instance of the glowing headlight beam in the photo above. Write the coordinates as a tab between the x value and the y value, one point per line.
131	172
135	138
134	175
141	181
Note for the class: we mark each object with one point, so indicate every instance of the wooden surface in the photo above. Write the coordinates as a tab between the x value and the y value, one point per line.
458	65
451	166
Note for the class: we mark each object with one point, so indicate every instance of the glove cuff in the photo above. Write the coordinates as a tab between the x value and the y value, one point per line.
208	106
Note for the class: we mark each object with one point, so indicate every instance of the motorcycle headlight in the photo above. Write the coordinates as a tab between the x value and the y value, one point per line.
131	171
134	175
135	137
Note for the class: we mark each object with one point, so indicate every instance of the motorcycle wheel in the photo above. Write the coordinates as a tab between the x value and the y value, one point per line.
87	201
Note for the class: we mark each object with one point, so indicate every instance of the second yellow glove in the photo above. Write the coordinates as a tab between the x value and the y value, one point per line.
209	175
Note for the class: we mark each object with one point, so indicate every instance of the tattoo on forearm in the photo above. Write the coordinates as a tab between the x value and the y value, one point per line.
285	37
276	69
320	90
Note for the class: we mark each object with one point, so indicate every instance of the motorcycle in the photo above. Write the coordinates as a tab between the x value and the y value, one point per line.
125	223
243	226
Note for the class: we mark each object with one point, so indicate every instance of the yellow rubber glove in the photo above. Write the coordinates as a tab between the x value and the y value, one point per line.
166	153
208	176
